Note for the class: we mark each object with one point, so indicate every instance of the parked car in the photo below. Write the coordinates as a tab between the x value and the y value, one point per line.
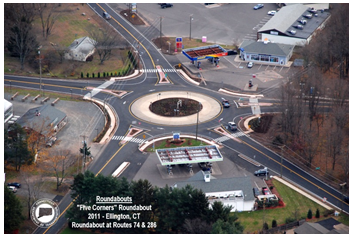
256	192
17	185
250	64
12	188
232	126
272	13
225	103
165	5
261	172
51	141
258	6
106	15
265	191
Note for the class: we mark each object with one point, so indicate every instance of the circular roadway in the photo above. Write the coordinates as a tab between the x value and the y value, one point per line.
211	108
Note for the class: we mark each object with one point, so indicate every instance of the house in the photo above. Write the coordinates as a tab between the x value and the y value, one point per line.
266	52
80	49
328	226
294	24
236	192
45	120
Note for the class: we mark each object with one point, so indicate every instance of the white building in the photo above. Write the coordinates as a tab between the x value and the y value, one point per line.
294	24
80	49
236	192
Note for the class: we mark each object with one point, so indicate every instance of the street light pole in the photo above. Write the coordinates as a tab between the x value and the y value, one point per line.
197	121
40	71
190	26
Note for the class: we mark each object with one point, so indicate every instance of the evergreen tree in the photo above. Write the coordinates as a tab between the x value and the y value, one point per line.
12	211
87	75
265	226
274	223
317	214
226	227
99	74
81	74
310	214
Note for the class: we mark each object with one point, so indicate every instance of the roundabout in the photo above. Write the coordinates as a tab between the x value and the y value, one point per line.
210	108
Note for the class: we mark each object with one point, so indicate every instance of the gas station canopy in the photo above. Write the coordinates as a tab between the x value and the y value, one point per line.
206	52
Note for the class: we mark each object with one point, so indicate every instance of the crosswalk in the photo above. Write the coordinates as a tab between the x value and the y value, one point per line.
156	70
128	139
225	138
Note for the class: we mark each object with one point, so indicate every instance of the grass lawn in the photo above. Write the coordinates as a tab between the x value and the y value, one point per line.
164	144
295	203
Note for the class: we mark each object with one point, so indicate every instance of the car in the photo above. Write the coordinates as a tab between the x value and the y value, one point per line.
258	6
12	188
17	185
261	172
346	199
206	166
272	13
250	64
166	5
256	192
232	126
225	103
51	141
265	191
106	15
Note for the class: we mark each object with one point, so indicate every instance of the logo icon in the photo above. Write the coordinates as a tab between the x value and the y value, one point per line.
44	212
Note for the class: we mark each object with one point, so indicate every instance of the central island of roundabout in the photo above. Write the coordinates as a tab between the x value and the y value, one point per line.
201	108
208	108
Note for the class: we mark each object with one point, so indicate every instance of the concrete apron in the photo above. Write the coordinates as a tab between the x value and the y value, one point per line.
210	108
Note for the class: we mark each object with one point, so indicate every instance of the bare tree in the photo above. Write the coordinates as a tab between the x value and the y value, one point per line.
21	39
59	161
33	185
47	17
105	40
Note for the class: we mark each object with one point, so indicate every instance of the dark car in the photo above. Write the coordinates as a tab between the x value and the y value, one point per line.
258	6
256	192
17	185
261	172
225	103
265	191
165	5
106	15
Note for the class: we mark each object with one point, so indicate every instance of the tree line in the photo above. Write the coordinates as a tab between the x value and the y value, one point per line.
313	123
175	210
22	41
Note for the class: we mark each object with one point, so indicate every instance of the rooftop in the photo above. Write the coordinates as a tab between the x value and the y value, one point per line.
188	155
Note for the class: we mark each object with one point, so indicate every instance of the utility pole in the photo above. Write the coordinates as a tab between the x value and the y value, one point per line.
281	159
190	25
160	32
40	71
138	56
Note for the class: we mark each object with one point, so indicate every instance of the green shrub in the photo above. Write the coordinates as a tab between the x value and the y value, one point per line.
290	220
274	223
328	212
103	74
317	214
310	214
92	74
81	74
87	75
265	226
99	75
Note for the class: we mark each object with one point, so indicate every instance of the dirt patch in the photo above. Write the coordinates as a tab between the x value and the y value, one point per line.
168	107
132	17
261	124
